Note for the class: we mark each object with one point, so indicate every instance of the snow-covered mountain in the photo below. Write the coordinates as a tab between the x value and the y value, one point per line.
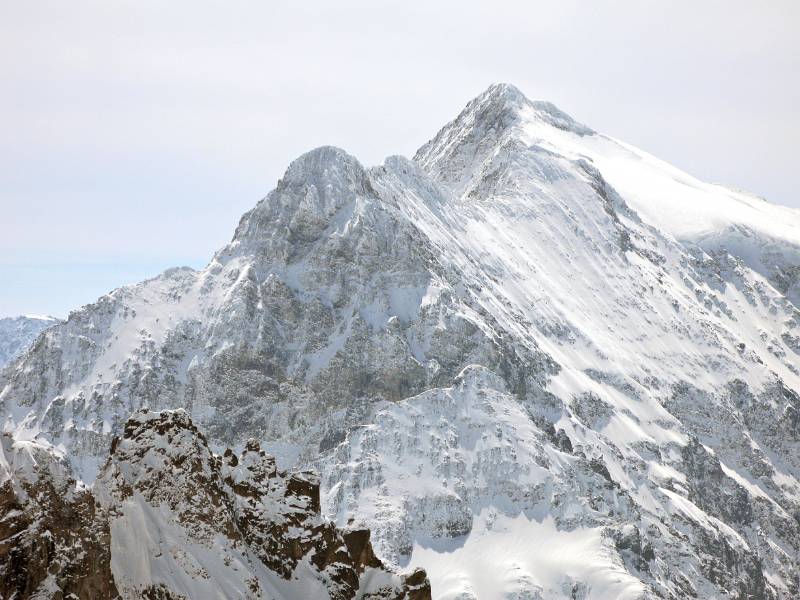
534	360
18	333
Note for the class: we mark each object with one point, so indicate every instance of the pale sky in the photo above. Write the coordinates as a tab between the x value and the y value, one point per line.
133	135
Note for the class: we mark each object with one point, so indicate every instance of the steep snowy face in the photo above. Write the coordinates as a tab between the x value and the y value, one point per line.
316	187
666	336
552	238
508	345
715	218
456	155
327	298
464	479
18	333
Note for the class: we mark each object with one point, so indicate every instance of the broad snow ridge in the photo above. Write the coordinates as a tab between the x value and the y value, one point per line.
534	361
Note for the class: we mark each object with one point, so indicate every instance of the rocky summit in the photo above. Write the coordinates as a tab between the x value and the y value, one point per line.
533	360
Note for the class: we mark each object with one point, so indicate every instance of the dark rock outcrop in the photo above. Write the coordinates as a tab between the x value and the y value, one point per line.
56	539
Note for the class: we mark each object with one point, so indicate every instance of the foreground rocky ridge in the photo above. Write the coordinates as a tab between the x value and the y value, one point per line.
169	519
55	539
498	356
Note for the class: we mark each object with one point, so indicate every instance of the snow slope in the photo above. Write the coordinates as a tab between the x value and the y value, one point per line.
531	342
765	236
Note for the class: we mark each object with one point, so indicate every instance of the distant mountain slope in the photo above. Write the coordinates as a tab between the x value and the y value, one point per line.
18	333
534	360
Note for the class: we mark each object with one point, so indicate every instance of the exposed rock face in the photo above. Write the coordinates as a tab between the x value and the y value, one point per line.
54	541
169	519
534	360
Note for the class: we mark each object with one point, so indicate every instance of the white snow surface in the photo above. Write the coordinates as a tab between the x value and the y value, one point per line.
506	556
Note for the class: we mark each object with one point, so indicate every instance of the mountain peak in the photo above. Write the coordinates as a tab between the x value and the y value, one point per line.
313	189
508	98
504	94
485	123
321	164
497	116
